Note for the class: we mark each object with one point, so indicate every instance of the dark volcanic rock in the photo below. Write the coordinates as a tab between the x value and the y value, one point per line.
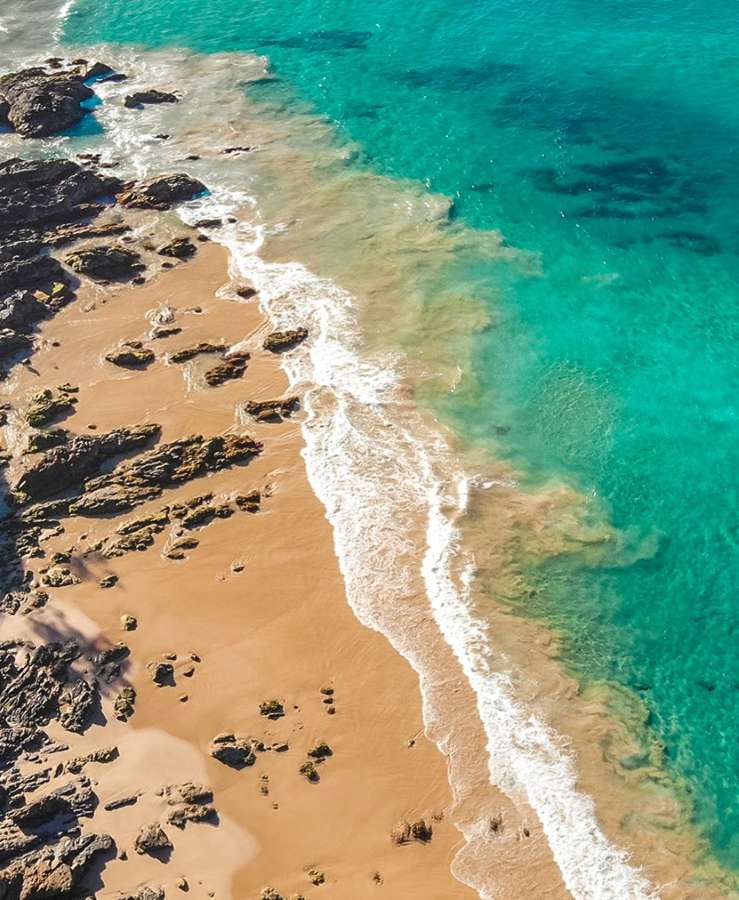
69	233
38	103
232	366
76	705
131	355
36	272
20	311
11	342
280	341
151	96
105	263
162	192
178	248
63	466
36	193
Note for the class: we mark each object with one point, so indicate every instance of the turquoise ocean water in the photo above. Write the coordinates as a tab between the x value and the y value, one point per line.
604	138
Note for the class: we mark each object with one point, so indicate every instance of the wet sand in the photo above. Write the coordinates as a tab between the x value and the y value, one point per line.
278	628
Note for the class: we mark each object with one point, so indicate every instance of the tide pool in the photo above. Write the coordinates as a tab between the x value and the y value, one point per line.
603	139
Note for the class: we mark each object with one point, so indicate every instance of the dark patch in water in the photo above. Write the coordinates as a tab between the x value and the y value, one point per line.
456	78
483	187
322	41
703	244
603	212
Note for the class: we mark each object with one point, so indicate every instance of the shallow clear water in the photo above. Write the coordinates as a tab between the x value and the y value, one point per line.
603	137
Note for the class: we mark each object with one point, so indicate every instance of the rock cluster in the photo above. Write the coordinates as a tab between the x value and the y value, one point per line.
37	102
271	410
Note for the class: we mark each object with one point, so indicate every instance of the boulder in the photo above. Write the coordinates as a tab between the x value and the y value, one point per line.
131	355
106	263
178	248
38	103
153	840
231	750
281	341
47	406
140	98
271	410
232	366
162	192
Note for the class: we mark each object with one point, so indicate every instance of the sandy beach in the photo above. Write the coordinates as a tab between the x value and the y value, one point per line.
259	602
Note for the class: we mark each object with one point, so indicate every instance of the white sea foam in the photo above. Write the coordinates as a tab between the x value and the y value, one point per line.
378	468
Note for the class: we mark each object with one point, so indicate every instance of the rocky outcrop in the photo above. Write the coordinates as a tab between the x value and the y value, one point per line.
48	406
152	839
131	355
281	341
162	192
140	98
38	103
271	410
188	353
232	366
178	248
20	310
69	464
231	750
145	477
106	263
40	195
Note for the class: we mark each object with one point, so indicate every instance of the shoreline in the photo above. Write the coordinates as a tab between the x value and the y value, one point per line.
296	637
448	720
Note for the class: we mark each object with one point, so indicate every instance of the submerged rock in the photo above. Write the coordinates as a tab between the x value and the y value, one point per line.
149	96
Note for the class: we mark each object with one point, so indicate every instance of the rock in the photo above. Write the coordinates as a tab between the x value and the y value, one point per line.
59	577
188	353
144	477
108	581
233	366
316	876
208	223
41	441
103	755
38	103
321	751
162	192
163	673
246	292
178	248
417	831
187	793
105	263
272	709
181	884
270	893
67	465
131	355
20	310
76	705
128	622
47	406
70	233
11	342
281	341
190	813
309	771
145	893
271	410
233	751
121	802
140	98
124	706
152	840
249	502
36	195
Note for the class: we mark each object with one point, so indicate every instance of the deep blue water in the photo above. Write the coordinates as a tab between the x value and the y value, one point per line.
604	138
